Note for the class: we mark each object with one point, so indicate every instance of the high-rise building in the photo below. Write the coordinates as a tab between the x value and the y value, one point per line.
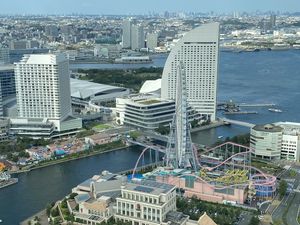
126	38
4	56
199	52
7	81
137	37
43	89
7	86
152	40
272	21
51	30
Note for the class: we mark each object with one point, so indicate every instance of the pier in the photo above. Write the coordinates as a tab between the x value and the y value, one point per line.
257	105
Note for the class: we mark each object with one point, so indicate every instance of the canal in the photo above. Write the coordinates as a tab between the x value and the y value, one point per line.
39	187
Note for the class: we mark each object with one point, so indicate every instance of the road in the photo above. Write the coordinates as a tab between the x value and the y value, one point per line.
290	203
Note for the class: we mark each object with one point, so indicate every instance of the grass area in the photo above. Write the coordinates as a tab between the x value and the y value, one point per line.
102	126
134	134
149	102
129	78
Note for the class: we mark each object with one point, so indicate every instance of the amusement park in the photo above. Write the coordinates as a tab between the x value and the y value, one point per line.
222	174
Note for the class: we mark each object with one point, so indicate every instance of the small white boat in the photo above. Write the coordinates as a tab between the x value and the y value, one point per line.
275	110
220	137
0	221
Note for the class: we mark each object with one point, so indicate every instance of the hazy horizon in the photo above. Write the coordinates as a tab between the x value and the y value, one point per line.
143	7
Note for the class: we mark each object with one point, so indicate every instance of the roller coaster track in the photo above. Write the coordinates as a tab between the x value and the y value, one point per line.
266	181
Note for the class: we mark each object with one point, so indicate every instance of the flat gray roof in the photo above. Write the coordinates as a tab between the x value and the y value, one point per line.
268	128
149	186
83	89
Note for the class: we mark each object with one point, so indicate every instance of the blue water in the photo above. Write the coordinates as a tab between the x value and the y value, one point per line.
257	77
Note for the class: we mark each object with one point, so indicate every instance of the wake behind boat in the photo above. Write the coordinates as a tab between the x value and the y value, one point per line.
275	110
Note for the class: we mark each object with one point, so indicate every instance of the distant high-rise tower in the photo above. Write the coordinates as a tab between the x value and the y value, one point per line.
137	37
126	38
152	40
43	88
51	30
272	21
199	51
180	153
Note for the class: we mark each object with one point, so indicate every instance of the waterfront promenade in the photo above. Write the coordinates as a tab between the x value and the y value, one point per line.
63	160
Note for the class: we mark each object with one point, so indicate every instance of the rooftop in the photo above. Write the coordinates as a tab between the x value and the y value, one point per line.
149	186
150	101
175	218
48	59
206	220
84	89
268	128
6	67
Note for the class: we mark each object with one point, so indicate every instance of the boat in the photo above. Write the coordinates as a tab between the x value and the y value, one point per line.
220	137
275	110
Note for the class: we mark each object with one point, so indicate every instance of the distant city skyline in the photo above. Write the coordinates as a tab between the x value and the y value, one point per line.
118	7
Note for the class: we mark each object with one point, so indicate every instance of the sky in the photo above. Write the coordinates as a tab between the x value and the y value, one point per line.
142	6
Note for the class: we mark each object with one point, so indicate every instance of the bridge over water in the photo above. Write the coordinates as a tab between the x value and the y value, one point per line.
237	122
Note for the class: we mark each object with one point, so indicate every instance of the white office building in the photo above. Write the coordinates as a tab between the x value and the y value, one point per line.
137	37
43	91
290	146
276	141
126	37
145	202
147	111
144	111
137	202
199	52
265	140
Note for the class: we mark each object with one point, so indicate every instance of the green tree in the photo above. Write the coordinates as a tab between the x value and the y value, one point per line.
48	209
73	195
282	188
277	222
54	212
24	154
194	123
164	130
254	221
